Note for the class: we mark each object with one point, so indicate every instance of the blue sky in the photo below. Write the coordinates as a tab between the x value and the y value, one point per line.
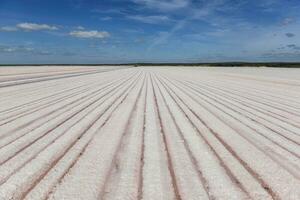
121	31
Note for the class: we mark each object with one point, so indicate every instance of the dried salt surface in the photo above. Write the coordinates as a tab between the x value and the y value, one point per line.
149	133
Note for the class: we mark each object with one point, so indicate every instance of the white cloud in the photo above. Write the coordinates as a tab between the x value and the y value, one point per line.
164	36
110	11
80	28
8	28
35	27
13	49
89	34
21	49
28	27
164	5
153	19
106	18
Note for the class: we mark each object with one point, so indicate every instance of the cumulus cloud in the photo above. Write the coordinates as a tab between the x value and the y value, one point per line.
35	27
90	34
290	35
153	19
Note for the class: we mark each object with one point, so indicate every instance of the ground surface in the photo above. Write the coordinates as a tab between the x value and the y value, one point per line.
149	133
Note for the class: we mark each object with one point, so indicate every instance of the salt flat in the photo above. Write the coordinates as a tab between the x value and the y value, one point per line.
84	133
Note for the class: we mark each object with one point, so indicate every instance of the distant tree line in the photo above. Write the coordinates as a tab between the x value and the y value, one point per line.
227	64
217	64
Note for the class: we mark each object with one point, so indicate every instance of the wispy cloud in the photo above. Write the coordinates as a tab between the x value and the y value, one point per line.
35	27
107	18
8	28
199	11
43	53
152	19
118	11
80	28
29	27
163	5
163	37
14	49
28	50
90	34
